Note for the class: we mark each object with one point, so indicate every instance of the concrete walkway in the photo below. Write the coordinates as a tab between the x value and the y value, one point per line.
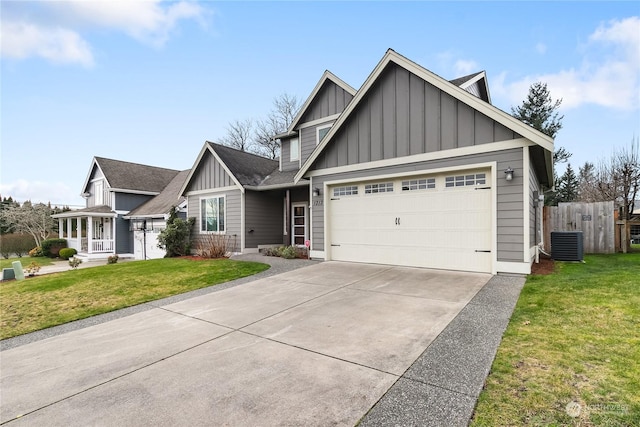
333	343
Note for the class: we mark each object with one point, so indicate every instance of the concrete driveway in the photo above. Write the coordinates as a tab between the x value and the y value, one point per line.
316	346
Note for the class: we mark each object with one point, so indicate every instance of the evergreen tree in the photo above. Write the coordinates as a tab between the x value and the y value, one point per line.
567	189
539	111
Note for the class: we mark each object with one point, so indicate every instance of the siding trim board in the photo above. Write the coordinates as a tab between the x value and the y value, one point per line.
437	155
445	87
526	200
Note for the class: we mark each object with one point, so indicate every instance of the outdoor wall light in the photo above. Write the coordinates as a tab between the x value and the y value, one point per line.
508	174
316	192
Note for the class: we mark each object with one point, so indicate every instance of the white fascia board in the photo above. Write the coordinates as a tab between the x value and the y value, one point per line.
207	148
449	88
212	190
320	121
94	162
434	155
124	190
225	167
76	214
327	75
301	183
193	168
481	76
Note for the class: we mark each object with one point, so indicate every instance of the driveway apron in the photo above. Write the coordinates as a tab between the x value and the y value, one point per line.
315	346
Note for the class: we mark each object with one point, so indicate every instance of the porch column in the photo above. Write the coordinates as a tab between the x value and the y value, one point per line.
89	235
79	233
69	230
60	229
113	234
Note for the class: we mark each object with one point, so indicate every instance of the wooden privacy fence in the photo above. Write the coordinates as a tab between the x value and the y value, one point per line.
595	220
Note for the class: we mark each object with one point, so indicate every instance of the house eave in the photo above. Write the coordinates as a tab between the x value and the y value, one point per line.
300	183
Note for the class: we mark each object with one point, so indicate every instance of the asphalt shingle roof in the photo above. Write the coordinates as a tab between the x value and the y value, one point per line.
134	176
464	79
163	202
249	169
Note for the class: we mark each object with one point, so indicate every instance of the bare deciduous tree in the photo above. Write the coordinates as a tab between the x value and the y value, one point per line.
30	219
617	179
239	135
285	108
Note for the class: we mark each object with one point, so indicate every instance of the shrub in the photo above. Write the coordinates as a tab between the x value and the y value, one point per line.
175	239
51	247
15	243
36	252
113	259
66	253
32	268
288	252
214	245
75	262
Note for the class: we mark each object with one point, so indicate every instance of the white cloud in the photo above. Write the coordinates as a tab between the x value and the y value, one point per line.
464	67
57	193
541	48
22	40
609	75
56	35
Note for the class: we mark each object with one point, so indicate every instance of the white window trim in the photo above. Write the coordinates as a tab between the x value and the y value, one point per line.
306	222
291	152
318	129
226	225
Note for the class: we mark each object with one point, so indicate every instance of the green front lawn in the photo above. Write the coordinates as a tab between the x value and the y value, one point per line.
48	300
26	260
574	337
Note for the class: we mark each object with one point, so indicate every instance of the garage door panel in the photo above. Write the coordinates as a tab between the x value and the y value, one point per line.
447	228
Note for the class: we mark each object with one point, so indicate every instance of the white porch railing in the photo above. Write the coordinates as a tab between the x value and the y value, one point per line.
105	245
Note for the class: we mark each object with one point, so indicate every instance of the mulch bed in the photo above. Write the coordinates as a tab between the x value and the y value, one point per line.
545	266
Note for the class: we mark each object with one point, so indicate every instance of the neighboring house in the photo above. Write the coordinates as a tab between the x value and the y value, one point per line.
113	189
148	219
410	169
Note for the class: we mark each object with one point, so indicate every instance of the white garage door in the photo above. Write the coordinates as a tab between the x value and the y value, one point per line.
151	250
438	221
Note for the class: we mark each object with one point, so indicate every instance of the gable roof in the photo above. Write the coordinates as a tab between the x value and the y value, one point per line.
163	202
135	177
245	169
326	76
460	94
480	78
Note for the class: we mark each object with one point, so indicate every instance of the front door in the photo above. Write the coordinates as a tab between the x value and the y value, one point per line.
298	224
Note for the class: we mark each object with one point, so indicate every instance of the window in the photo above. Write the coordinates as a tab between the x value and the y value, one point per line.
465	180
98	189
418	184
349	190
212	214
294	149
384	187
321	132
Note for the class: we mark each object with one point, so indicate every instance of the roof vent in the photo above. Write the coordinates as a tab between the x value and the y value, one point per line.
567	246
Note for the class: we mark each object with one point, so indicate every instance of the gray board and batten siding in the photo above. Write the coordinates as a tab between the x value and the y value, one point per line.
330	100
124	237
263	218
232	216
128	202
209	174
403	115
509	195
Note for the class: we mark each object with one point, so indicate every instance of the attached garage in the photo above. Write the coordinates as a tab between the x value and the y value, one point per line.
435	221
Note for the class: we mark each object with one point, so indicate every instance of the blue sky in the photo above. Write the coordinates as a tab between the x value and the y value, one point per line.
150	81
